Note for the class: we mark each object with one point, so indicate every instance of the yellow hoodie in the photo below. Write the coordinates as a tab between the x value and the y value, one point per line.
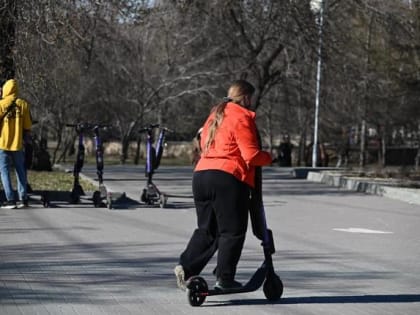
16	121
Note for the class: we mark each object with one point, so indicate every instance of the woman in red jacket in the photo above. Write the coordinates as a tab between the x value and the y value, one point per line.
221	186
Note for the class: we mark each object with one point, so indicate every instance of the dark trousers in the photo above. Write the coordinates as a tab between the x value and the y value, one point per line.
222	203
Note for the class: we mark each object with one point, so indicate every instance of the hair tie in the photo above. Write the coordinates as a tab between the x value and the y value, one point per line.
227	99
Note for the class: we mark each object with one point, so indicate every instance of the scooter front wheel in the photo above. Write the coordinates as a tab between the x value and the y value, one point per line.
273	287
109	202
163	200
197	290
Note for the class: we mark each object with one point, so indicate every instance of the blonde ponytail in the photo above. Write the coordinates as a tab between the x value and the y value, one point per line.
219	114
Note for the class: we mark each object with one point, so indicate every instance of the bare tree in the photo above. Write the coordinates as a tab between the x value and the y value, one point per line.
131	63
7	34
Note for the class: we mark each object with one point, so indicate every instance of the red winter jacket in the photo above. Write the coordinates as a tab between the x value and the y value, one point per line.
235	148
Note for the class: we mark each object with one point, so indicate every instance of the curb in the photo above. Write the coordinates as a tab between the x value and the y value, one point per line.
388	190
302	172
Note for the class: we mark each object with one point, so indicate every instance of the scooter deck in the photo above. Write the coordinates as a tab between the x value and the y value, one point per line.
176	196
197	289
253	284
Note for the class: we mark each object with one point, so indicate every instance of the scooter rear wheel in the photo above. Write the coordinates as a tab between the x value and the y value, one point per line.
143	197
196	289
45	199
273	287
97	198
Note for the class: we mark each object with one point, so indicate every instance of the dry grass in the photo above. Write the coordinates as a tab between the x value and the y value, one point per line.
55	180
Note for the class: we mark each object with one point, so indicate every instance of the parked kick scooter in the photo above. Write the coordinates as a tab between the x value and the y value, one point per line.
197	288
151	193
101	194
77	190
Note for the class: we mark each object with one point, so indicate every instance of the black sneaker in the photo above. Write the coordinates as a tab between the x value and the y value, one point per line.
227	284
23	204
10	204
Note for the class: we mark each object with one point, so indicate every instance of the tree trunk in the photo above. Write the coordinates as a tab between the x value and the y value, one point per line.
383	146
302	149
125	143
137	155
7	34
362	155
124	149
363	137
417	159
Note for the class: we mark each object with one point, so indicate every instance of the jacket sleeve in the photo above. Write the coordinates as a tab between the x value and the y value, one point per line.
27	119
246	137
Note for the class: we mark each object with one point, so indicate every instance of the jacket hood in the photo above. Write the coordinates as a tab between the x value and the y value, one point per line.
242	109
10	88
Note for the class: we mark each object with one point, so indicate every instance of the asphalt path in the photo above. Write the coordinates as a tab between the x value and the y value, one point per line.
338	252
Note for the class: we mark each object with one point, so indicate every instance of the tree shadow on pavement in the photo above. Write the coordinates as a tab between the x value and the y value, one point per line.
82	273
340	299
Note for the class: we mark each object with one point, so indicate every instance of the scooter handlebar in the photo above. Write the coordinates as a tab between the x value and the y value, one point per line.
154	126
101	126
87	126
148	128
167	129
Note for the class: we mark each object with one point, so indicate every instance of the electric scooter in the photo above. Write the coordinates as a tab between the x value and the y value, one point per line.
100	194
151	194
77	190
197	288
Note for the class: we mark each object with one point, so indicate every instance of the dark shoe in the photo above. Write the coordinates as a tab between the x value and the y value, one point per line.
10	204
227	284
23	204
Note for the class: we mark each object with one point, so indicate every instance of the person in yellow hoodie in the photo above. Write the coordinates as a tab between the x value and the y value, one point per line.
15	124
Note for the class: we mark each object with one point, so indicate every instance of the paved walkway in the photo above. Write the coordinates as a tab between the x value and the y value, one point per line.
338	252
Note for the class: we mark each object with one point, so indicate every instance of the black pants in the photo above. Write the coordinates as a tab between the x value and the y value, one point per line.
221	203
